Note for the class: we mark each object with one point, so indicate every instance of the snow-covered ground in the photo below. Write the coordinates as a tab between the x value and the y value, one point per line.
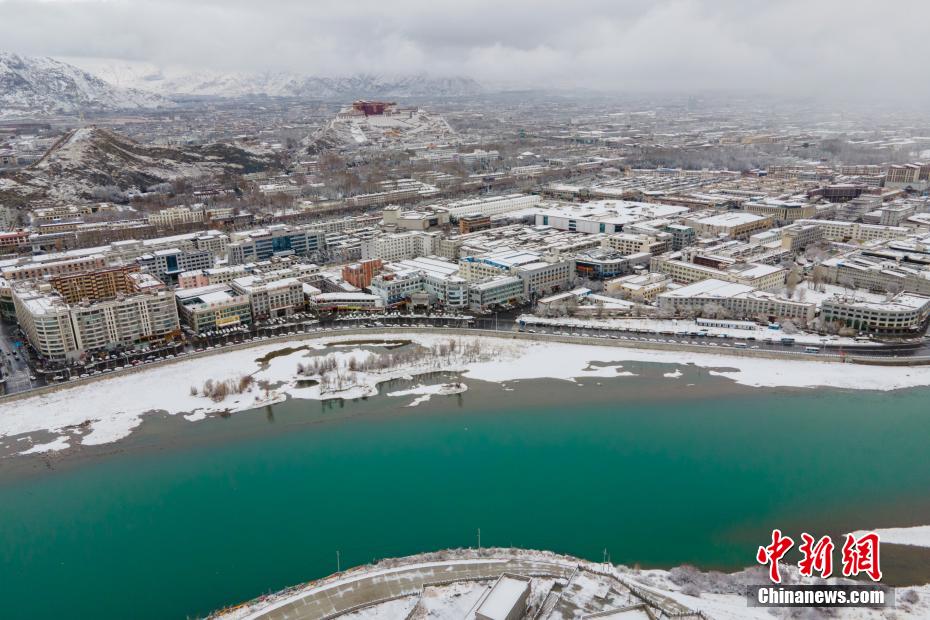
424	392
591	588
107	410
918	536
758	332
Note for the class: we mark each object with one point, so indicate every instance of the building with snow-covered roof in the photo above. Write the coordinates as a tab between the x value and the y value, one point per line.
506	600
490	205
540	275
400	246
275	240
347	301
432	275
213	307
61	331
877	273
169	264
904	314
495	291
603	216
270	298
395	218
738	300
733	224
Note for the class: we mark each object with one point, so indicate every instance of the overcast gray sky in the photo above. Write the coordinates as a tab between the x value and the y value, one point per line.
845	46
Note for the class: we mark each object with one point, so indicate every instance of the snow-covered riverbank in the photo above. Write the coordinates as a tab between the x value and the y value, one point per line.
588	588
107	410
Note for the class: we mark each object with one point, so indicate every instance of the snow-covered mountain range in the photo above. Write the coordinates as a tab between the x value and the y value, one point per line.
176	81
35	86
32	86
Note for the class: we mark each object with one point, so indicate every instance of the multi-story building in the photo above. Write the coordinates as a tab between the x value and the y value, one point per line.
733	224
13	241
176	216
167	265
360	274
904	315
835	230
915	175
876	274
738	300
601	263
781	211
757	275
38	269
61	331
644	287
7	308
491	205
270	298
798	236
682	236
95	284
473	223
495	291
604	216
541	275
45	318
347	302
394	247
396	219
432	275
628	243
124	321
276	240
401	190
213	307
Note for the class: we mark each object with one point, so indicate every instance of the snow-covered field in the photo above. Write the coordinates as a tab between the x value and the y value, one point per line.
918	536
107	410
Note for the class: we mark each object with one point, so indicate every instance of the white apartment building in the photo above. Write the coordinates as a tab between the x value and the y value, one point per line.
644	287
60	331
493	205
905	314
175	216
739	300
756	275
836	230
270	298
212	307
541	276
604	216
427	274
732	224
394	247
628	243
877	274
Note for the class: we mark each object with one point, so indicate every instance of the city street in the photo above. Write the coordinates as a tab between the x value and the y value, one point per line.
14	365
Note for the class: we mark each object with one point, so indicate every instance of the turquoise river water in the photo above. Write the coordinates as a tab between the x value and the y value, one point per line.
182	518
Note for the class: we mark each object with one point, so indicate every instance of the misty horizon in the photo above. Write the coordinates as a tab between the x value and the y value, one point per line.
826	49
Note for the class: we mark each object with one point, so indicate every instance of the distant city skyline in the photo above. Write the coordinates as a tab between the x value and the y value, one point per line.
835	47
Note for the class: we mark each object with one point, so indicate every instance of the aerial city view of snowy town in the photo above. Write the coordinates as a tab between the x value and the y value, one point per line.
488	311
